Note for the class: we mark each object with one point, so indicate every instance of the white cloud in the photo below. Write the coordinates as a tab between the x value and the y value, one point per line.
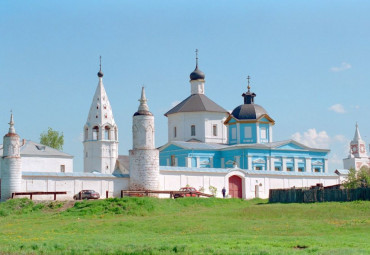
338	108
312	138
344	66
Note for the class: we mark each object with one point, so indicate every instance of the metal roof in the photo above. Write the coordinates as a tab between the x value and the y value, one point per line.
74	174
30	148
248	112
196	103
252	172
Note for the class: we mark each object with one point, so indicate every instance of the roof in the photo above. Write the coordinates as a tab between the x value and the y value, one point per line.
30	148
248	112
251	172
196	103
75	174
216	146
342	171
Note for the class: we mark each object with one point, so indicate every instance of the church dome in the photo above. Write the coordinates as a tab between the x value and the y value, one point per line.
197	75
248	112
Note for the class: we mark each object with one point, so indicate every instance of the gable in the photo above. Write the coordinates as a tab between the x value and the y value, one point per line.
264	120
170	147
291	146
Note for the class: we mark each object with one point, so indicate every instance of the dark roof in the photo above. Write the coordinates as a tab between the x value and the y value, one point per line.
248	112
148	113
197	74
196	103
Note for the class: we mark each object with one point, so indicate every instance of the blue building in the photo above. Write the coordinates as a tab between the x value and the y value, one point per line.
248	145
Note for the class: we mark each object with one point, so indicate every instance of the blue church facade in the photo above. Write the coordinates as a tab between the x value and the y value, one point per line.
249	144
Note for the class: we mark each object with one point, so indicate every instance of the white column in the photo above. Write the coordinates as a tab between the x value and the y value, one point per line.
198	162
283	163
258	132
168	161
295	163
211	162
237	133
176	162
249	162
237	160
326	166
268	161
270	133
188	161
222	163
308	165
272	161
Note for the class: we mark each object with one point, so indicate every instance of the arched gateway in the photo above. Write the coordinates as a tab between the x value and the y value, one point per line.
235	187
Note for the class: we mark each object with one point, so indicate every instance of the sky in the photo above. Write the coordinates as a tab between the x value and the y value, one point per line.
308	62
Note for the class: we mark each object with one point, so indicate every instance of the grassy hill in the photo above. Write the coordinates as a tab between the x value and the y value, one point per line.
184	226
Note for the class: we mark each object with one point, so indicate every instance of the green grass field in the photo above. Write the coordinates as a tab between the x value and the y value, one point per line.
184	226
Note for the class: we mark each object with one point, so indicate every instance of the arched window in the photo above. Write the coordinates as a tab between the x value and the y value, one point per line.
174	132
95	133
107	133
86	133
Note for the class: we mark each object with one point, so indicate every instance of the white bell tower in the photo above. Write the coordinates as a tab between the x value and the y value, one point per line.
357	155
100	133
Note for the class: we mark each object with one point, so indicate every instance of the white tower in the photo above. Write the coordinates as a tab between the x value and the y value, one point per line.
144	158
197	118
100	133
357	155
11	172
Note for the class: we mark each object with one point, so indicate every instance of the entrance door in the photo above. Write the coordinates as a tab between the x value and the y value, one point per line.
235	187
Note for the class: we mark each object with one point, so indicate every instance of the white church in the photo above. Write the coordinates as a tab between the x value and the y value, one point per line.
207	147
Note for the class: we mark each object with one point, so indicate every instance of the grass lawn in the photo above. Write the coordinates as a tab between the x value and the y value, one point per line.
184	226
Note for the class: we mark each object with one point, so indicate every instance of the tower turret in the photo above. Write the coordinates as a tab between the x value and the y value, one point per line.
357	155
144	158
100	133
11	172
197	78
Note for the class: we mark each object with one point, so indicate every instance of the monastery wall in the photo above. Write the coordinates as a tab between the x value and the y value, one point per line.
43	164
72	185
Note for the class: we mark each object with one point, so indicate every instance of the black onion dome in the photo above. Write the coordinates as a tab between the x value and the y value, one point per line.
197	75
147	113
248	112
100	74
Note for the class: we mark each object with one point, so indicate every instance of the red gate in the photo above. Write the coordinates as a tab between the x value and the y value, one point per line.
235	187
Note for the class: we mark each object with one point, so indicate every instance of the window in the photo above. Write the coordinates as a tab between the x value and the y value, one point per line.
233	133
95	133
258	167
317	170
173	160
289	169
192	130
214	130
277	168
107	133
63	168
247	132
300	169
174	132
263	133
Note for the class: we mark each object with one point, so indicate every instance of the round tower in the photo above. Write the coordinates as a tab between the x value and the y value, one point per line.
11	172
144	158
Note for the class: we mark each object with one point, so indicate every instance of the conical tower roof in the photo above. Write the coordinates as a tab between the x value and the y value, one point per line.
100	111
143	107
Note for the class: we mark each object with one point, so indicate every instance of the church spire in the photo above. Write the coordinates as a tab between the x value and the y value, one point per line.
143	107
357	136
249	96
11	124
100	73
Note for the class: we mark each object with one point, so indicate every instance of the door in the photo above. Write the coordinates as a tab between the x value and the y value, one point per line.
235	187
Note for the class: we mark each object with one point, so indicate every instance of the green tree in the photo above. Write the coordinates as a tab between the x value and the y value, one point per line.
53	139
356	179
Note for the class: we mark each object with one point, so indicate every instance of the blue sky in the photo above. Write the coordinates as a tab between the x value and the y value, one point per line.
308	62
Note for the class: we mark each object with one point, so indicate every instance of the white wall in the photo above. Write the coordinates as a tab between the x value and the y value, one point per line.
203	122
46	164
73	185
174	180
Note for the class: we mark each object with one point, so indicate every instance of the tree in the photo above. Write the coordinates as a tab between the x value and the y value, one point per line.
358	179
53	139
